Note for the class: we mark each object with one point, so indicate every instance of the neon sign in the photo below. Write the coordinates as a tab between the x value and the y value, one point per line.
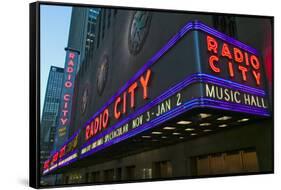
122	117
71	64
176	101
64	119
248	65
119	106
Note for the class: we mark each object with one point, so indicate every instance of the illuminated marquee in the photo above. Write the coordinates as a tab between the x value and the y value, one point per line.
230	79
119	106
67	154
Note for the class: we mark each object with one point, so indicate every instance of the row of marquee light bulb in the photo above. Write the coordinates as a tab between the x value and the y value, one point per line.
190	129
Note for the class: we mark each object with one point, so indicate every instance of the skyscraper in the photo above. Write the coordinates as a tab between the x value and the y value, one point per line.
81	38
82	30
50	111
91	27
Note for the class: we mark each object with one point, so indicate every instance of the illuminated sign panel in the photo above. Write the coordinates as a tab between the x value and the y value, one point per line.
67	154
234	62
70	70
212	71
155	112
235	96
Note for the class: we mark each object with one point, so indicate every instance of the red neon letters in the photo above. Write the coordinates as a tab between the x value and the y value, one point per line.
62	151
96	125
68	84
128	97
120	102
247	65
55	158
46	164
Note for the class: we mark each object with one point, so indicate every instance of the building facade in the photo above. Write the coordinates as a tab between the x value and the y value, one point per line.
82	29
50	112
81	36
137	60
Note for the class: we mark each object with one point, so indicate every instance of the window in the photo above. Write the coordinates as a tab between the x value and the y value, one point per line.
67	179
89	26
109	175
109	17
96	176
115	12
250	161
103	22
163	169
130	172
87	177
98	37
146	173
203	165
232	162
118	174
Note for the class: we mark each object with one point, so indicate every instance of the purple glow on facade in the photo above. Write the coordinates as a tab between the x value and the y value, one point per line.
171	91
234	85
70	161
200	26
196	25
199	102
66	163
189	26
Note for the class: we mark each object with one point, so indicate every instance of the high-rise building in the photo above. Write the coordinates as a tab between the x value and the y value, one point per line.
50	111
126	43
82	29
91	27
81	38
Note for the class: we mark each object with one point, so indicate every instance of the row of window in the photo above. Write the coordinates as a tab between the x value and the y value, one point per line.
91	25
162	169
49	115
54	89
112	174
227	163
97	27
51	107
55	76
242	161
56	82
103	23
